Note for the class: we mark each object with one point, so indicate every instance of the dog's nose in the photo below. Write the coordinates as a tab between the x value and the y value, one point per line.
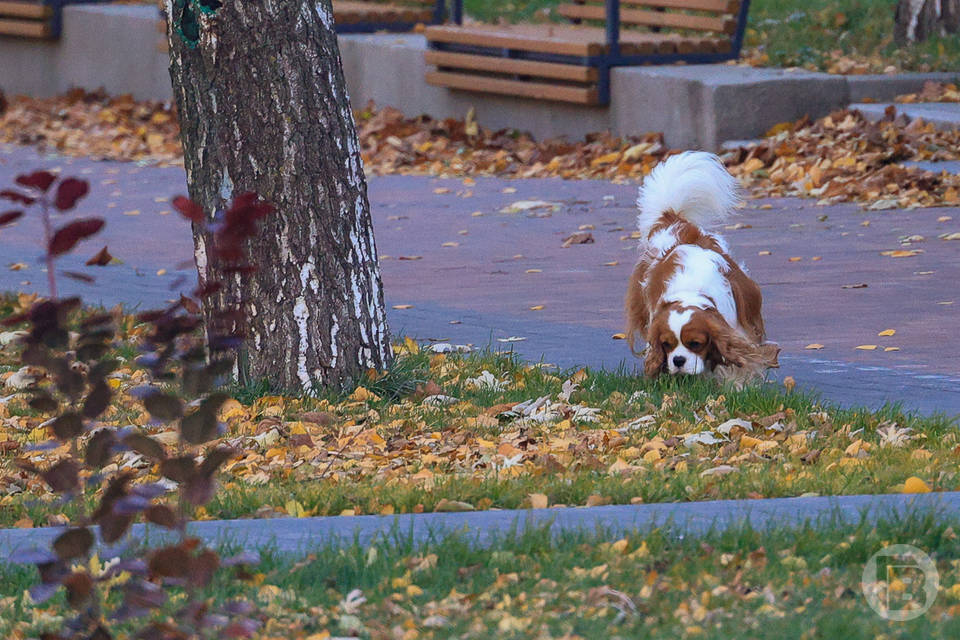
678	361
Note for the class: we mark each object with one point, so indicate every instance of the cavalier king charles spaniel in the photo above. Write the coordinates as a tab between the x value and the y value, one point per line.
696	308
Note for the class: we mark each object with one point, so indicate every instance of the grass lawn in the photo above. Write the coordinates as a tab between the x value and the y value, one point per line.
842	36
446	433
739	583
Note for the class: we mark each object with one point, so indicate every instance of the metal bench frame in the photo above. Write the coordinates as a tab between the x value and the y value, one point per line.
603	63
439	14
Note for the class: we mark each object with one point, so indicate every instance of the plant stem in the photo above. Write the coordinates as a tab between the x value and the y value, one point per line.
47	235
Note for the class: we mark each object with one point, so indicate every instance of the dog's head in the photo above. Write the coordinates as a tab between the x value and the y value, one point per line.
691	340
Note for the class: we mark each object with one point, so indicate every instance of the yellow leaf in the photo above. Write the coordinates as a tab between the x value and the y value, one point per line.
891	348
612	263
814	345
902	253
596	500
752	165
534	270
536	307
887	332
619	336
748	442
620	546
362	394
538	501
411	345
403	306
608	158
866	347
789	383
295	509
914	484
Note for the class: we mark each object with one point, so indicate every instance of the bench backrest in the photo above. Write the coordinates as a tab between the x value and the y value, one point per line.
25	19
714	16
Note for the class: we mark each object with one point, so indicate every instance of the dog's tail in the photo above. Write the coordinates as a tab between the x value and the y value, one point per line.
694	185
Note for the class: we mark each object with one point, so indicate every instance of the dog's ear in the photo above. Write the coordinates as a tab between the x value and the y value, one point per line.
656	358
735	349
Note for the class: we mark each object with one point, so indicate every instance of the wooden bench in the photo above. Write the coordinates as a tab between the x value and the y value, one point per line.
368	16
38	19
571	62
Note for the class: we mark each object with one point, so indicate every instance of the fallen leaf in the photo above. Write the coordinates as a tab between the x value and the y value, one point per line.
866	347
887	332
538	501
914	484
814	346
580	237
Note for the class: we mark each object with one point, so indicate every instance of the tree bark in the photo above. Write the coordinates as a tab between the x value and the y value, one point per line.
917	20
263	107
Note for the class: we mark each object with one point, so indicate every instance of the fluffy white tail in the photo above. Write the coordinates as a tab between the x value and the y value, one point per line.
694	184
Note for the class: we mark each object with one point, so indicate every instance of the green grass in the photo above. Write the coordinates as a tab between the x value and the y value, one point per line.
679	404
795	32
798	582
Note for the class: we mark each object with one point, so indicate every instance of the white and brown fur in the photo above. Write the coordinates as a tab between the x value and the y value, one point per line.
695	307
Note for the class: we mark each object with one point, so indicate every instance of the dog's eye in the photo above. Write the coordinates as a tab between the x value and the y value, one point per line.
694	344
666	345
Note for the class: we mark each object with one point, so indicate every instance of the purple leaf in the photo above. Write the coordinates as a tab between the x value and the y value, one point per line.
67	237
38	180
188	209
9	216
69	193
16	196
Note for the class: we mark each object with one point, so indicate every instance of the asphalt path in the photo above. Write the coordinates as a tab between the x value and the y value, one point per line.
483	264
300	536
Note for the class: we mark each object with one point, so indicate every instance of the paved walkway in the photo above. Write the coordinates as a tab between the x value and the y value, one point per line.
943	115
303	535
475	257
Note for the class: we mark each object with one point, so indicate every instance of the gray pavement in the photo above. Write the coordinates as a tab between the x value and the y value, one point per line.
476	262
944	115
300	536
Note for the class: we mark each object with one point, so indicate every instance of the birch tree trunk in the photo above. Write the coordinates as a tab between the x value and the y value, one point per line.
263	107
917	20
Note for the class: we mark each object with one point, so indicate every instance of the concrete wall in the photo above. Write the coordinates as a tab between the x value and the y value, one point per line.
117	47
111	46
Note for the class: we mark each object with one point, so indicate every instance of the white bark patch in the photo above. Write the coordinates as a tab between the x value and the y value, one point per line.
226	187
324	15
200	256
334	349
301	315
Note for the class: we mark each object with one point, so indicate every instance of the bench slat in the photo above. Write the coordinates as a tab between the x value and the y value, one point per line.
353	12
572	72
25	28
535	90
25	10
537	41
651	18
716	6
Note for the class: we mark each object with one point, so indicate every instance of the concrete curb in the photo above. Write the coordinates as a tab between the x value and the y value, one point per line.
943	115
298	536
693	105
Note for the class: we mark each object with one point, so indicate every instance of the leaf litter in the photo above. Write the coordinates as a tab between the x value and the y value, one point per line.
843	157
480	420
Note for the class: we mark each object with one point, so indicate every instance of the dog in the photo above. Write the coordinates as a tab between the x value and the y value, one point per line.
696	308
